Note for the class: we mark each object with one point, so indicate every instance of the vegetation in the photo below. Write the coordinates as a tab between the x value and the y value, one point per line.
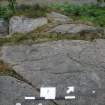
85	12
6	70
29	11
7	11
12	5
32	11
100	2
91	13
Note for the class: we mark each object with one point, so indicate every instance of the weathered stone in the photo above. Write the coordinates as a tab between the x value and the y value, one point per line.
74	29
3	28
62	64
13	91
25	25
57	17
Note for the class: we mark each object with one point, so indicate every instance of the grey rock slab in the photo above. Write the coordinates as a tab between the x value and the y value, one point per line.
57	17
74	29
62	64
3	28
13	91
20	24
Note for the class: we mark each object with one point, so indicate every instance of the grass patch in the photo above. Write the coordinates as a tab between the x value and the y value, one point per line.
5	12
32	11
26	10
77	12
5	69
86	12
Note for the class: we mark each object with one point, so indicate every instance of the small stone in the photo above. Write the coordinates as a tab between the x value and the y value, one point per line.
18	103
40	104
93	91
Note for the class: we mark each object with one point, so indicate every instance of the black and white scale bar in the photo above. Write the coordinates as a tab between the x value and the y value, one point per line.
57	98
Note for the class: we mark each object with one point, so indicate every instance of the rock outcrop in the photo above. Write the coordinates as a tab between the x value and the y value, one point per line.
24	25
62	64
13	91
74	29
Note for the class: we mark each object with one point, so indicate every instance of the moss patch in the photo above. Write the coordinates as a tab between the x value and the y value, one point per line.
37	37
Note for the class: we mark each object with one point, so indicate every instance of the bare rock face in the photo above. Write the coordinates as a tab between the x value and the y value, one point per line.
61	64
74	29
3	28
24	25
13	91
57	17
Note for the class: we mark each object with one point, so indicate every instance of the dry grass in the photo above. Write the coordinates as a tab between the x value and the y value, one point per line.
4	68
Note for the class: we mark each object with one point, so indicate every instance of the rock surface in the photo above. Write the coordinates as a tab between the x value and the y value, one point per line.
24	25
74	29
13	91
3	28
57	17
62	64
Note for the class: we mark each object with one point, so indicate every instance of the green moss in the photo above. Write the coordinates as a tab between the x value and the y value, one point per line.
37	37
